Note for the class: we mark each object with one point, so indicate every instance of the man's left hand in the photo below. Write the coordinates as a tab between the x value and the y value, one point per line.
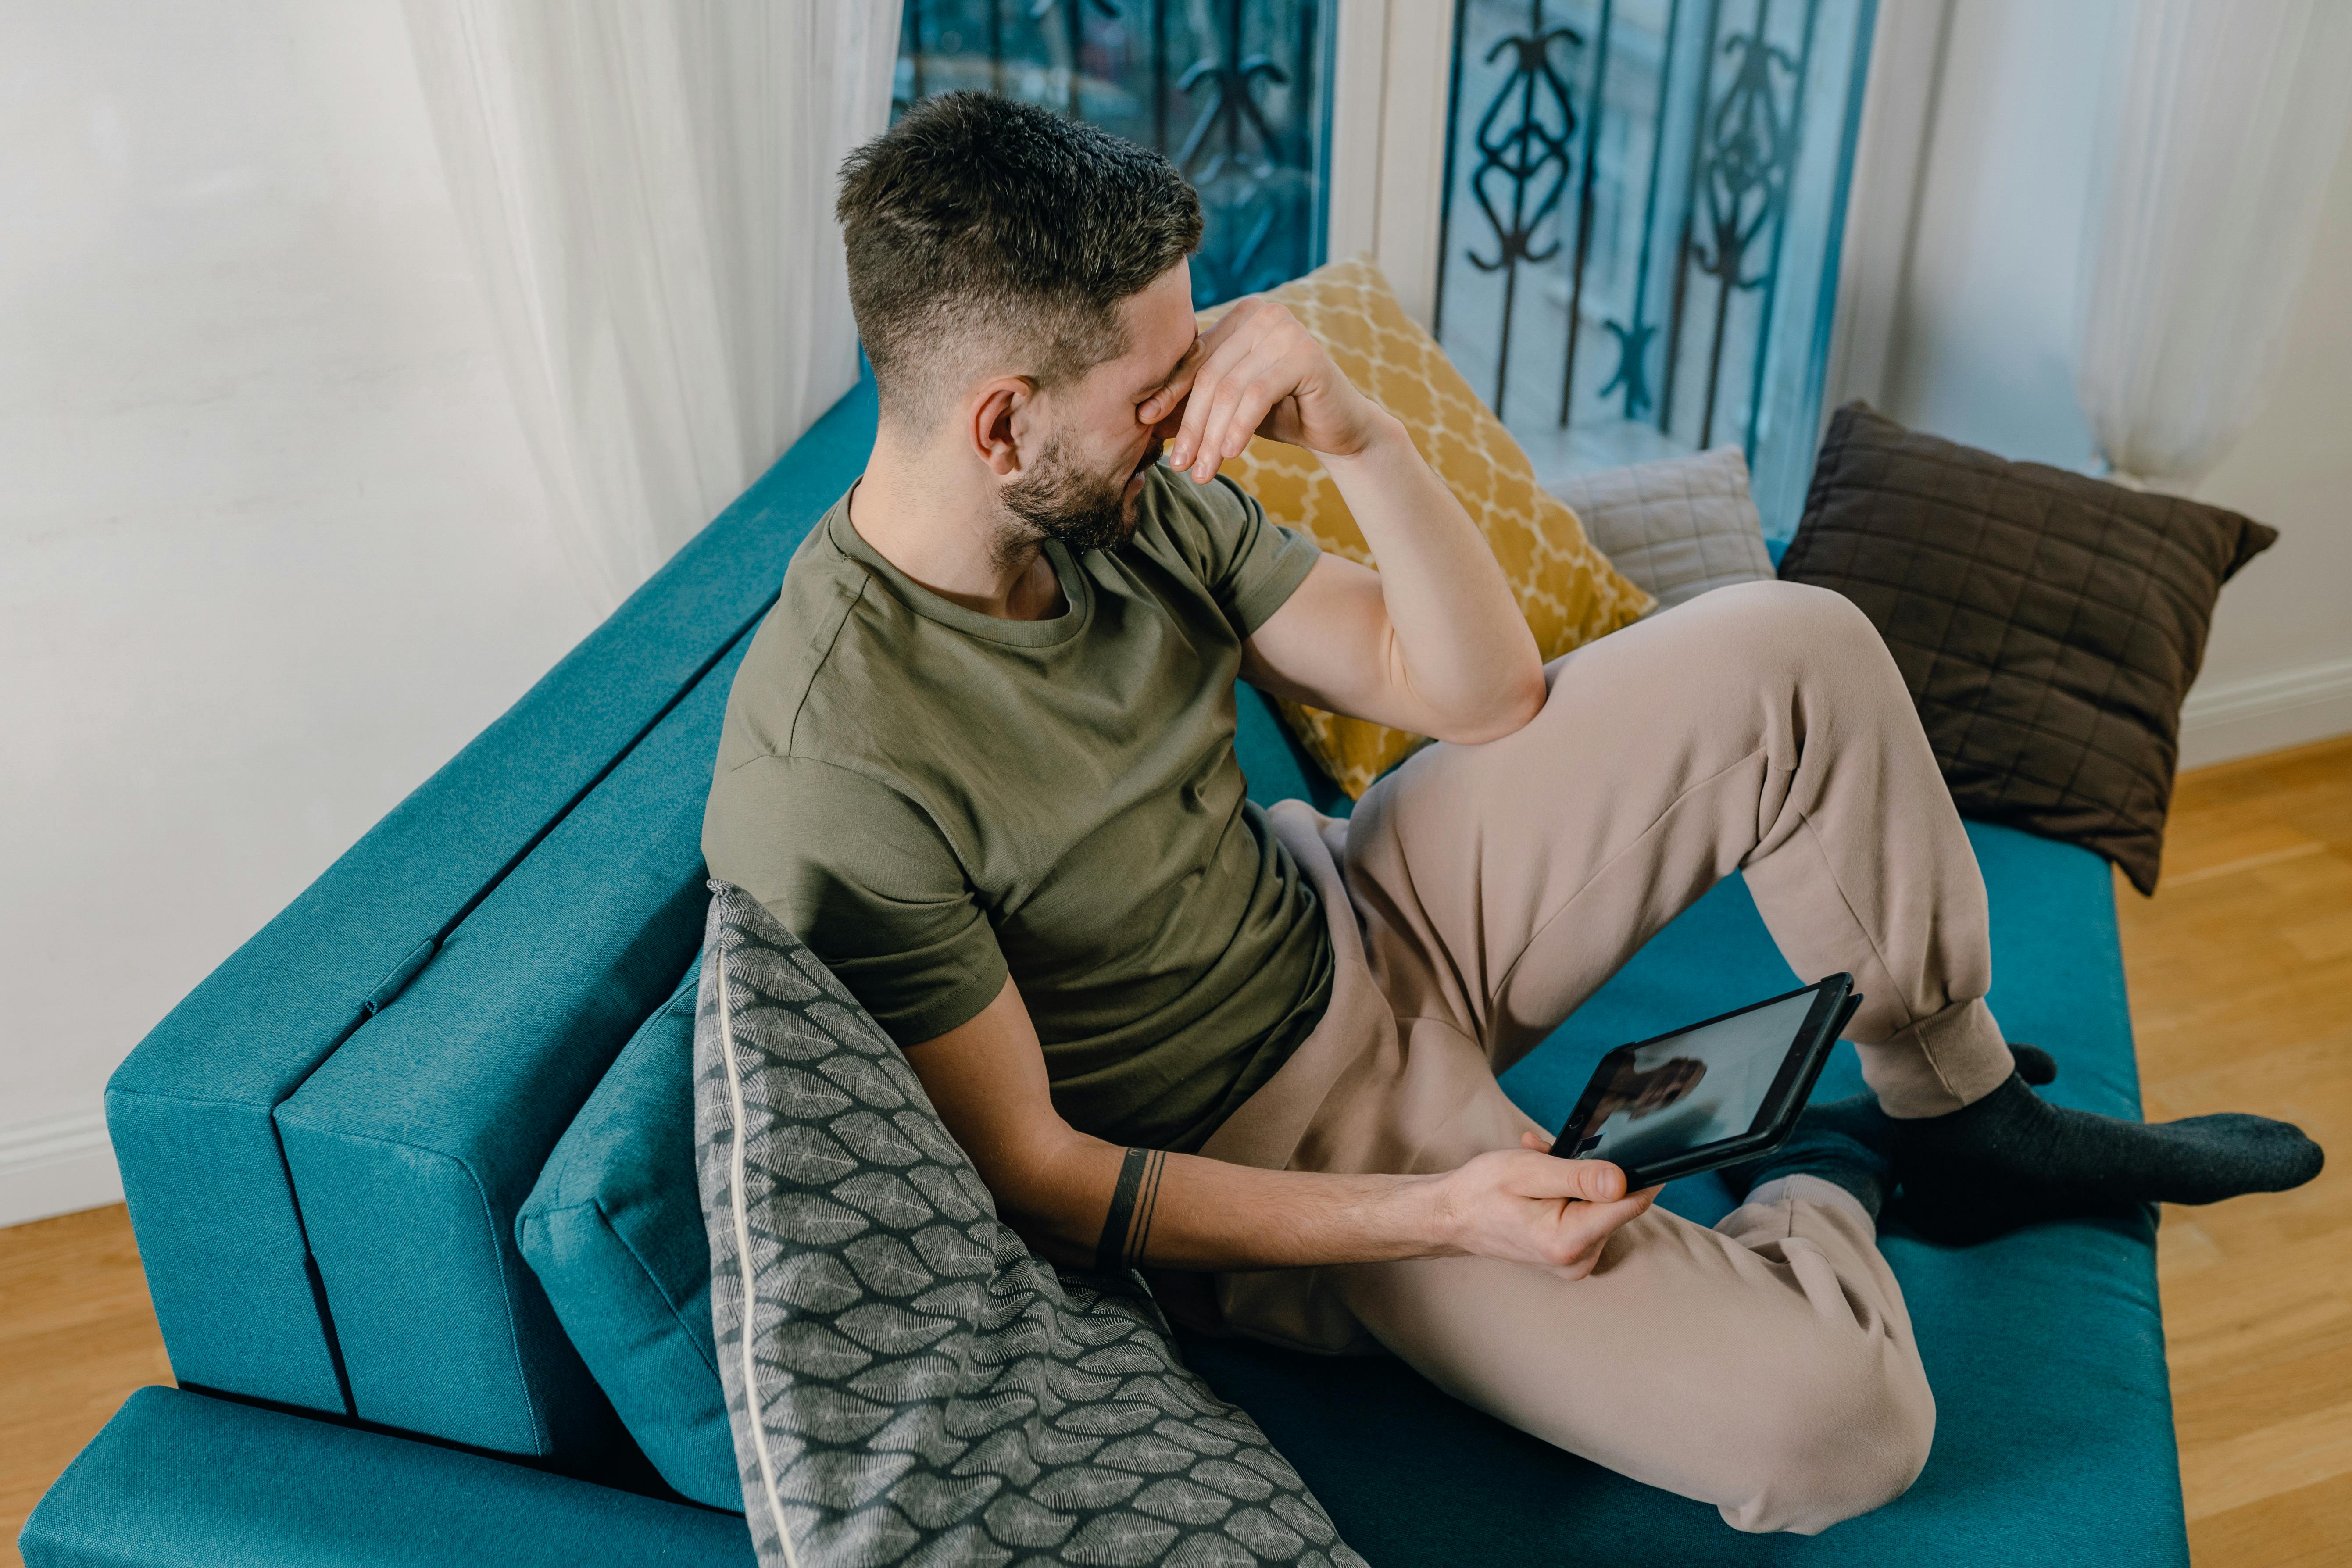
1257	373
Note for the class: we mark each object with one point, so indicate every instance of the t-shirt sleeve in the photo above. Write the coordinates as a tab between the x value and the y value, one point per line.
1252	564
862	875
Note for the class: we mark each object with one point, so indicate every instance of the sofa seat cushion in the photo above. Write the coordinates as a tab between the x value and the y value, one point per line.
190	1481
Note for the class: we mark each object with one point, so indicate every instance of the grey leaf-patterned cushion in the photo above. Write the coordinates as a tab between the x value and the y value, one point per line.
906	1382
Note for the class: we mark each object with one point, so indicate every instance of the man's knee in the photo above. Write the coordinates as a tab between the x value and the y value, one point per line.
1832	1437
1772	621
1776	641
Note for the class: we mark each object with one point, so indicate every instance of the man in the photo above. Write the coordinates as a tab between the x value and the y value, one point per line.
980	758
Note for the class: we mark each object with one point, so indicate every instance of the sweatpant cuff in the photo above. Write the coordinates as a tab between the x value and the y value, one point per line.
1939	1064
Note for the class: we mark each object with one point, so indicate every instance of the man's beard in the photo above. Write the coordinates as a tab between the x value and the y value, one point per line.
1058	499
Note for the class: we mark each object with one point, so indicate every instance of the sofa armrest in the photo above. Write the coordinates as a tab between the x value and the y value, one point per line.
190	1112
185	1478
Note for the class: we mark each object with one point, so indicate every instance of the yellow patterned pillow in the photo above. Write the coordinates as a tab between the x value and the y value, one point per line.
1567	590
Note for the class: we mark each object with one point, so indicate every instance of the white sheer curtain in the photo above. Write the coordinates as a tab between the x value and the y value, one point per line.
648	186
2230	115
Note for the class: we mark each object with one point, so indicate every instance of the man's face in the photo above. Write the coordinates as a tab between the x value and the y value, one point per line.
1093	446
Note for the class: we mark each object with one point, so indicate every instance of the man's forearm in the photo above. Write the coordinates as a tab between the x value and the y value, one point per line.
1057	1187
1460	642
1198	1214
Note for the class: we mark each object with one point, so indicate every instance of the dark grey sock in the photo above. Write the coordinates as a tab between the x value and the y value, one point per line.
1848	1142
2012	1158
1852	1143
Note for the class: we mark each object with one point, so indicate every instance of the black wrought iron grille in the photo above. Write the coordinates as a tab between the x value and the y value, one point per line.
1234	90
1640	223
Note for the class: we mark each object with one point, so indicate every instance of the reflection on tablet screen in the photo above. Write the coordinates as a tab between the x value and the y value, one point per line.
1701	1086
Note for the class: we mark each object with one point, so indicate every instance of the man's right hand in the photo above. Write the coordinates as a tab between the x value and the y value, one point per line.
1054	1184
1523	1205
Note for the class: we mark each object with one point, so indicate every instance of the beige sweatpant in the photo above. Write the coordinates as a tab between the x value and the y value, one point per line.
1480	893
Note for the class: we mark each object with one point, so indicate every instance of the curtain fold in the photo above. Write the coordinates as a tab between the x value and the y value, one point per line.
2228	119
646	188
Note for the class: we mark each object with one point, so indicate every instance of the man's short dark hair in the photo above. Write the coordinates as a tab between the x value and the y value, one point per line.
976	224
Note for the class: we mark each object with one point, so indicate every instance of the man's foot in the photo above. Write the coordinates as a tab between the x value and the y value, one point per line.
2012	1158
1850	1143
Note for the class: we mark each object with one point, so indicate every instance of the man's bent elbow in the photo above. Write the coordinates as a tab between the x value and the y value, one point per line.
1513	709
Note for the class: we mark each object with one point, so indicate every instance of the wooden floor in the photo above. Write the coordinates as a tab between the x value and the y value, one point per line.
2240	973
77	1336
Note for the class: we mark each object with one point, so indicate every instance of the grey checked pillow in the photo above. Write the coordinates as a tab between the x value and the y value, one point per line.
907	1383
1678	528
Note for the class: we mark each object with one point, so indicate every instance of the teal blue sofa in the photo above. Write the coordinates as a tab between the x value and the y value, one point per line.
352	1152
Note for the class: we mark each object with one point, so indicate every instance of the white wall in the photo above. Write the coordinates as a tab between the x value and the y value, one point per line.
1983	340
1983	352
270	547
2279	669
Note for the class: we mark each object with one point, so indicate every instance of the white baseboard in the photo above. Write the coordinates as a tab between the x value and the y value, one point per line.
57	1164
2265	713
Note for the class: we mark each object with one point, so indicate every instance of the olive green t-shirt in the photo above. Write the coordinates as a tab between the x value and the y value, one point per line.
933	798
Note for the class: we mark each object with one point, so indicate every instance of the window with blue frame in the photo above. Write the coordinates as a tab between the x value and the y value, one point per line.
1235	91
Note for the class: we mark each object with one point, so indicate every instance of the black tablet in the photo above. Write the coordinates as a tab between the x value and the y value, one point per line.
1712	1094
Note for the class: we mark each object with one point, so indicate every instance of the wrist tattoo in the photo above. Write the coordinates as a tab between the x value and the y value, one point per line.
1128	1226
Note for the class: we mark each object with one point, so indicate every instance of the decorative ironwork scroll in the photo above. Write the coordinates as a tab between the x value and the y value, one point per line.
1241	164
1745	165
1523	147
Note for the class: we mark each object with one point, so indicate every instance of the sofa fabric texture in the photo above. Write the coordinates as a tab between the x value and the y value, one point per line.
2047	623
416	1145
1567	589
1675	528
907	1382
184	1480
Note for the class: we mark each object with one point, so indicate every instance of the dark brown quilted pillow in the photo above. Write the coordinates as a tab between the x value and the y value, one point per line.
2048	622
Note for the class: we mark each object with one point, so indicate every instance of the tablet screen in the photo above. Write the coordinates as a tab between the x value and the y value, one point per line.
1702	1086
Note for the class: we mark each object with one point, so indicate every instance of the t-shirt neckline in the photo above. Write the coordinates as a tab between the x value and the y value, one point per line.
1077	590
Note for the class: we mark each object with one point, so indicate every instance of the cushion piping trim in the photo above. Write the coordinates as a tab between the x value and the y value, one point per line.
754	1416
